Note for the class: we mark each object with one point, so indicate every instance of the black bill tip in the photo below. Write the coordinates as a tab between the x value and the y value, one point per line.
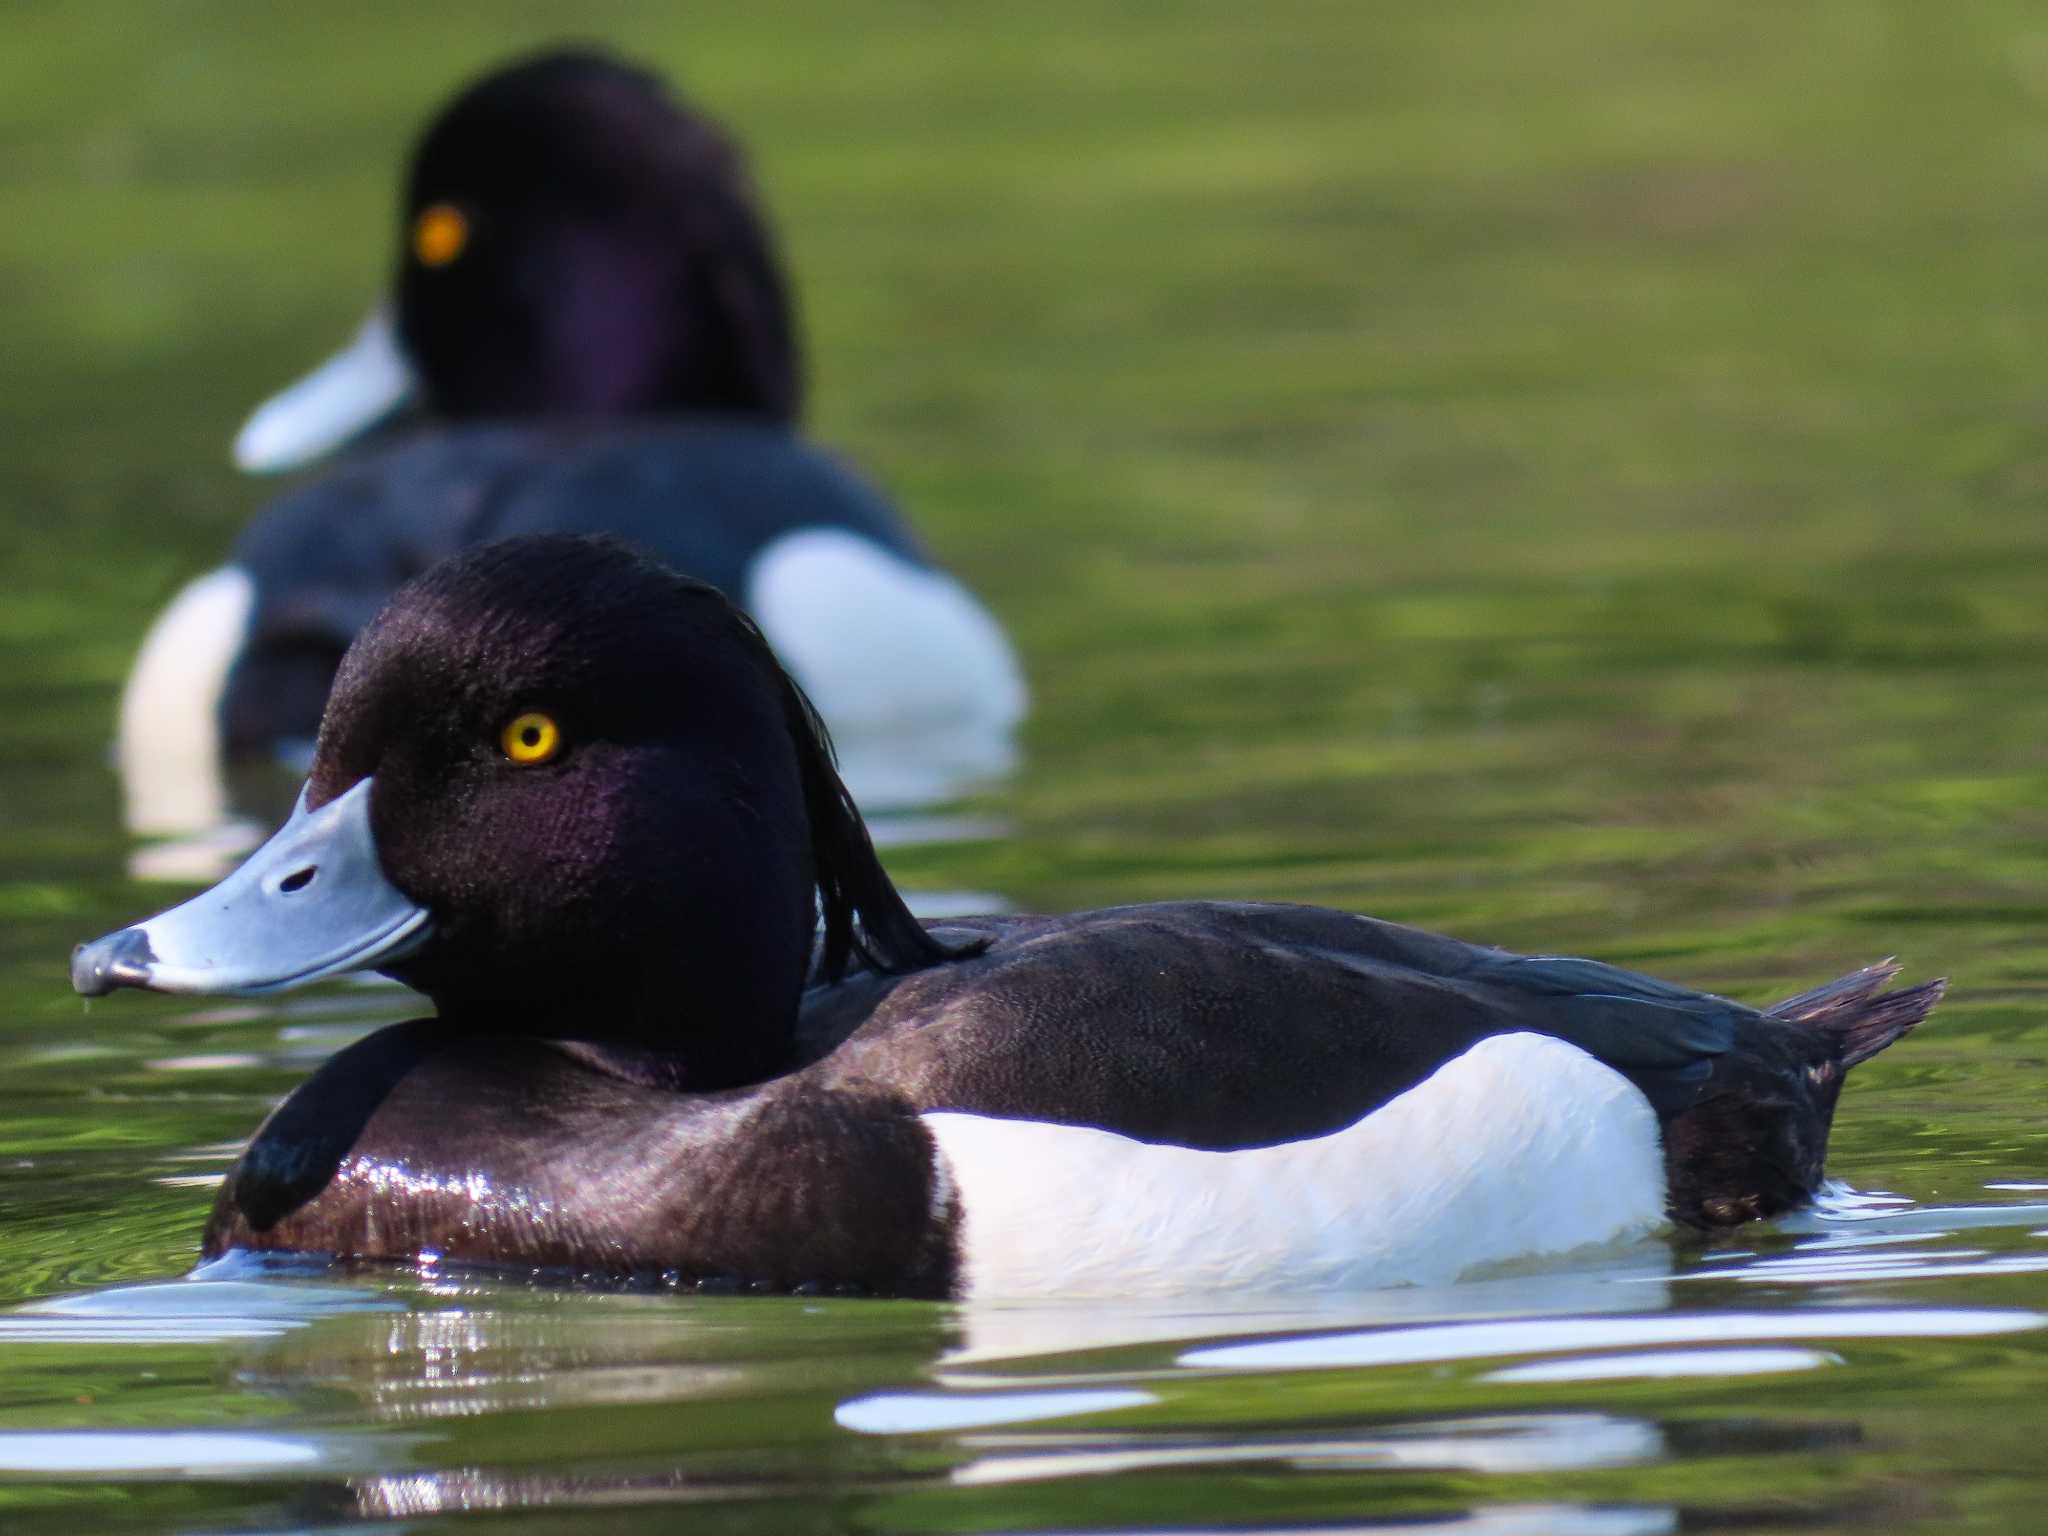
120	959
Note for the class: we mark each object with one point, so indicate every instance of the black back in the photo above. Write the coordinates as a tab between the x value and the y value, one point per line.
705	496
1226	1024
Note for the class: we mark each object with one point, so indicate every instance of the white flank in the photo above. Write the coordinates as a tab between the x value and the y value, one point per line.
916	680
168	747
1523	1146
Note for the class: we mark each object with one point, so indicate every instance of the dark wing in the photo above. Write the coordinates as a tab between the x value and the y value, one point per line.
1215	1025
1662	1038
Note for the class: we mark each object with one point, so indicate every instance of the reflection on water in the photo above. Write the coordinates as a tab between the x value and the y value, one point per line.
995	1333
464	1398
193	1454
1669	1362
1556	1335
1497	1444
185	1311
903	1413
1837	1347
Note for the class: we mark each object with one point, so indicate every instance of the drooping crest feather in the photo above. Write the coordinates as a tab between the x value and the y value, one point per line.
860	911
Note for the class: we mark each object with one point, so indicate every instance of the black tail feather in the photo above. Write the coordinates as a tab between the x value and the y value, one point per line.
1862	1017
1755	1142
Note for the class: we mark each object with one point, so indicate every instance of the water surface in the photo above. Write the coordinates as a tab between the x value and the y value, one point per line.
1573	477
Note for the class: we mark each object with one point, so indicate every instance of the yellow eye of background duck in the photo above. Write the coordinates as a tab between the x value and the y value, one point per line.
531	738
439	234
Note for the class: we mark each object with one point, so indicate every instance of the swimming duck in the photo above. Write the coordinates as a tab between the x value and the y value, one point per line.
589	312
570	795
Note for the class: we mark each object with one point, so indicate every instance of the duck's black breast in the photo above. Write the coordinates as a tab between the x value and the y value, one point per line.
512	1152
706	496
1225	1025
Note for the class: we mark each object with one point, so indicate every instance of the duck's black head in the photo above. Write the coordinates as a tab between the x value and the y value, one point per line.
562	790
575	241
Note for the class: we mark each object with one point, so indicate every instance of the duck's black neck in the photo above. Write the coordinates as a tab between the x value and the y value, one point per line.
650	1065
684	1015
688	1034
689	984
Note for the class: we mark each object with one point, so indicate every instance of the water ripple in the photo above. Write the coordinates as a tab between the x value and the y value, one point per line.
1561	1335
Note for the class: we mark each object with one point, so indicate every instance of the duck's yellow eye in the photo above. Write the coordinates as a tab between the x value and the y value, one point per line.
439	234
531	738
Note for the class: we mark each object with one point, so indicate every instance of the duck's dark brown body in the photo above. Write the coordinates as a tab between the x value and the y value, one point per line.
398	1148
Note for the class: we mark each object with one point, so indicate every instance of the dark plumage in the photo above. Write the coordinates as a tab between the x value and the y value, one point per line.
591	321
618	261
631	1070
709	496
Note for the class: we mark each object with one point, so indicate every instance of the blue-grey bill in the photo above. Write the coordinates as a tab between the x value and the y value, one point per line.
341	399
310	903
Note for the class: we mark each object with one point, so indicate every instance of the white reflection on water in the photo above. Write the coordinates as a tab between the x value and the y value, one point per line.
1851	1236
183	1312
1664	1363
991	1332
1496	1445
214	1061
425	1494
1561	1335
1838	1207
905	1413
1831	1267
186	1452
1487	1520
1852	1240
473	1352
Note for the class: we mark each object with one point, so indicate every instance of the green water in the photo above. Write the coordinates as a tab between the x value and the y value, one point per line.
1570	475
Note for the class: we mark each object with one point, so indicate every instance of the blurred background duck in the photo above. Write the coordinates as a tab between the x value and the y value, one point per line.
588	330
